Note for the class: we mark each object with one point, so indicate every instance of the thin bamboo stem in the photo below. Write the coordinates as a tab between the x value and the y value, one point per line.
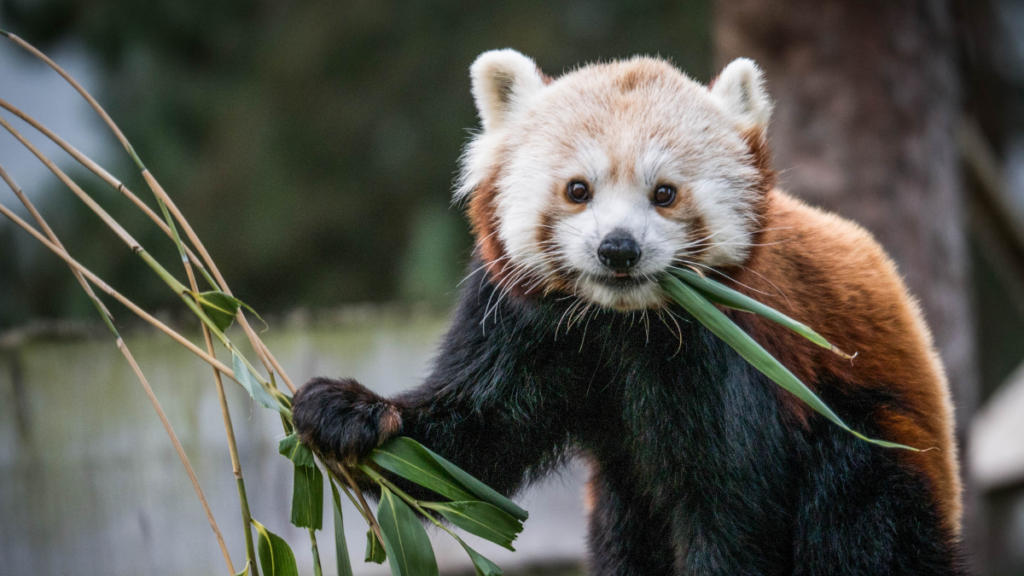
317	570
362	501
166	276
181	451
131	360
78	87
105	288
161	195
105	176
53	238
261	350
107	219
236	464
169	204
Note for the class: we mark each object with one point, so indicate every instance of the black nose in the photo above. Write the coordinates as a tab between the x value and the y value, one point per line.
619	251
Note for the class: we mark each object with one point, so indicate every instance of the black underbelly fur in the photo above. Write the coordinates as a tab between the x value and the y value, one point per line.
697	465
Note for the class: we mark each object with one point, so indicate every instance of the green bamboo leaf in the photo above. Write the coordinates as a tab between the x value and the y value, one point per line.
340	544
276	558
245	571
483	566
720	325
481	490
308	497
374	549
220	307
410	460
293	449
480	518
405	539
726	296
253	386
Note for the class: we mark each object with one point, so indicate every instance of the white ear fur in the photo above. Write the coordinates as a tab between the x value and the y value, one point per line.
503	80
740	90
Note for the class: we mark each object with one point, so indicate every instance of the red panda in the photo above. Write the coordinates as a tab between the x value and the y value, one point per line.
582	192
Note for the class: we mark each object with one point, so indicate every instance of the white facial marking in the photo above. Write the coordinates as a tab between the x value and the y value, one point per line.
622	128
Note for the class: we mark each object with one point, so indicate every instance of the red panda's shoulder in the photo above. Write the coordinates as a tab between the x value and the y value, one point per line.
832	275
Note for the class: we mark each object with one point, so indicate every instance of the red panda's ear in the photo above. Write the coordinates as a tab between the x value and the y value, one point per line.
740	91
503	81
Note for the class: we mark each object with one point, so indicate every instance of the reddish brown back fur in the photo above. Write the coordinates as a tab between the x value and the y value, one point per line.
830	274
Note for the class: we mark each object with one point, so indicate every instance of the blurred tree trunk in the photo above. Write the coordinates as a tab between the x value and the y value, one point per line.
867	99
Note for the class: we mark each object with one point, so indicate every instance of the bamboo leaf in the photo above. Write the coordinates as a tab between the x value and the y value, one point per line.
293	449
481	490
726	296
483	566
308	497
480	518
340	544
405	539
253	386
276	558
220	307
720	325
374	549
413	461
410	460
245	571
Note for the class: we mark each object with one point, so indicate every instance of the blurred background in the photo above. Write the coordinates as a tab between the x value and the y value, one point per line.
313	147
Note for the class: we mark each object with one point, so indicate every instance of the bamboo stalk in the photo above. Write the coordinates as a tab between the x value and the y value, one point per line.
103	175
105	288
53	238
166	276
260	350
161	195
107	218
180	451
78	87
236	464
131	360
317	570
362	501
166	201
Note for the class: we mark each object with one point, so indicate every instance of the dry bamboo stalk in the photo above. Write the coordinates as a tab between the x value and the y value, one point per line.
229	430
131	360
179	450
257	345
105	288
107	219
53	237
362	500
99	171
162	196
78	87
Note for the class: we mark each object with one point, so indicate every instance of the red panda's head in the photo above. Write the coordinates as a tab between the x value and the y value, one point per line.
597	182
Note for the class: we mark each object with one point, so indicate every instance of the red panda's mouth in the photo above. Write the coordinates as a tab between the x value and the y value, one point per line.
622	280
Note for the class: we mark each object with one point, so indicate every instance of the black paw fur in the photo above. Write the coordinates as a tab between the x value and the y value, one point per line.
342	419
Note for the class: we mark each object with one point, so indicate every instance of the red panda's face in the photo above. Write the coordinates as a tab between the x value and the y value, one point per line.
597	183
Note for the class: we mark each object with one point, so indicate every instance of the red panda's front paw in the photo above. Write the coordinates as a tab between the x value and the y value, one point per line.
342	419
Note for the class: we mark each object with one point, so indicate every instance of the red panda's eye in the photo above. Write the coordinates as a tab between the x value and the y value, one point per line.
664	195
578	191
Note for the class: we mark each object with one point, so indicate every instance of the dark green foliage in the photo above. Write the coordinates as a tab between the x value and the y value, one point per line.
329	131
